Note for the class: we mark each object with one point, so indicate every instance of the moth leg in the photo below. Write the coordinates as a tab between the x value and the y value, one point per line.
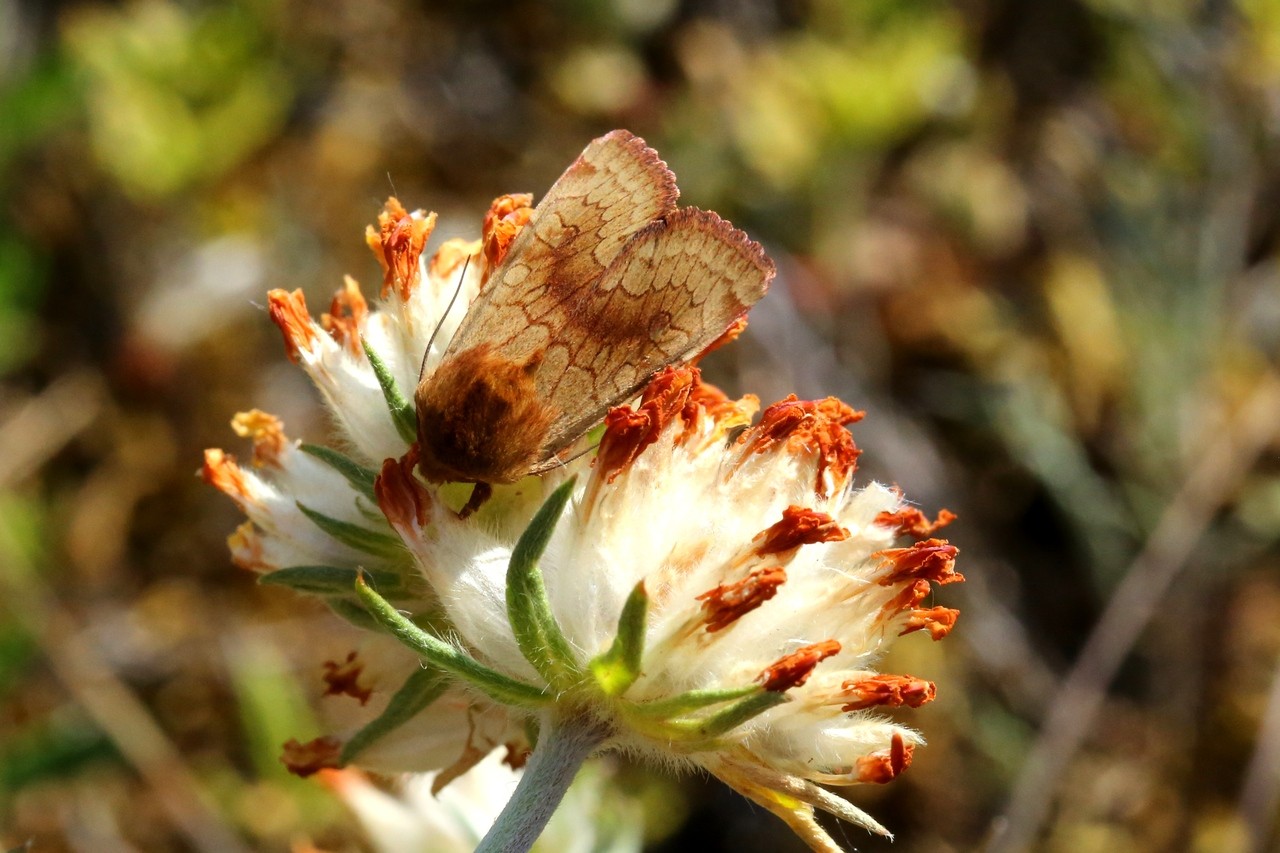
479	494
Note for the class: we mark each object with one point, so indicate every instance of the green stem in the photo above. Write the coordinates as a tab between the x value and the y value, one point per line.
562	747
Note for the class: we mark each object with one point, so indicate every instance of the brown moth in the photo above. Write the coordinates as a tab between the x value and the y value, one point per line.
607	283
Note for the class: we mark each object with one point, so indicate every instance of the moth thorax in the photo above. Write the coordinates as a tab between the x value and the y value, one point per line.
480	418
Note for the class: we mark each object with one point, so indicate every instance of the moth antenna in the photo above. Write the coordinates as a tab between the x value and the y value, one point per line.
581	453
392	184
423	369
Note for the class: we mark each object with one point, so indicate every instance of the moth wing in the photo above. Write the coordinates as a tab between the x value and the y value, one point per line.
615	187
676	286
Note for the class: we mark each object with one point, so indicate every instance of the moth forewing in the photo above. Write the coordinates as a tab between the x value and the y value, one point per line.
605	285
674	289
616	187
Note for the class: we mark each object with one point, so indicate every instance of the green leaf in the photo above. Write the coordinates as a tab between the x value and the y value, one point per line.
501	688
352	612
537	633
385	545
619	667
329	580
372	513
421	688
706	728
360	477
688	703
402	411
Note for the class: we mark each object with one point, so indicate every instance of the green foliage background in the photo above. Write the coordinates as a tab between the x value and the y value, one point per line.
1036	241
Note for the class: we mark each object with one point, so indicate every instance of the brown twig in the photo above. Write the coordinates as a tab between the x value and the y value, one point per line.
41	426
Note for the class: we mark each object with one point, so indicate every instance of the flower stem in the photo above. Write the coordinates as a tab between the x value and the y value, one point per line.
562	747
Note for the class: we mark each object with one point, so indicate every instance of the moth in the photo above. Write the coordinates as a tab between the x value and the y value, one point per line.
606	284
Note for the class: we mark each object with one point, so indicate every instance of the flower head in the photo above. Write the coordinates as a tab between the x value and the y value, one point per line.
703	591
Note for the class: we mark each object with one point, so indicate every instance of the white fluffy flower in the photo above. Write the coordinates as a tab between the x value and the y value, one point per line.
701	591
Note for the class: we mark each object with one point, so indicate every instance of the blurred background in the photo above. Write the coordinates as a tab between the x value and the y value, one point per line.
1037	242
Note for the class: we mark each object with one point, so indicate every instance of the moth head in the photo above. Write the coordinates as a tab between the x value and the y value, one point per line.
480	418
